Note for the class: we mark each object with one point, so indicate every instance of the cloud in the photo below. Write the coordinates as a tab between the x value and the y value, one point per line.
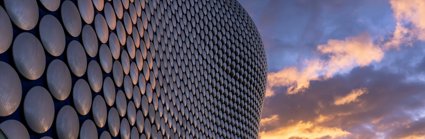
390	105
269	120
410	25
337	56
351	97
303	129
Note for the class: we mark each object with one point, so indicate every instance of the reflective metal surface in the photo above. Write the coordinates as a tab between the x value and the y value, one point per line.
23	13
105	135
29	56
109	91
11	93
88	130
52	35
77	58
51	5
113	122
125	129
59	79
86	10
71	18
99	111
121	103
14	129
135	68
82	97
105	58
6	31
89	39
101	28
39	109
67	124
94	74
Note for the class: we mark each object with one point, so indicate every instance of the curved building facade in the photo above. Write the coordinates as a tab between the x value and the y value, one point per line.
129	69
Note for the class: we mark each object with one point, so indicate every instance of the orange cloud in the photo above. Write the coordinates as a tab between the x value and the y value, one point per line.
414	137
269	120
302	129
343	55
410	26
351	97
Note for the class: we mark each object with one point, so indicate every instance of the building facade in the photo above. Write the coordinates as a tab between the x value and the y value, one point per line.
129	69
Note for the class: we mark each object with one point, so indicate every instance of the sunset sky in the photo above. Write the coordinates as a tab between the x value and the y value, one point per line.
342	68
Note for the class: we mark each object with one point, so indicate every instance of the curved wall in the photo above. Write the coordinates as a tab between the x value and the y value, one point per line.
129	68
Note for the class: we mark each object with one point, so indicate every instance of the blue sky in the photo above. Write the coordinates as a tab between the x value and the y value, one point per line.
342	69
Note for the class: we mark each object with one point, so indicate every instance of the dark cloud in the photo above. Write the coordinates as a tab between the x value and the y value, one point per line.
390	106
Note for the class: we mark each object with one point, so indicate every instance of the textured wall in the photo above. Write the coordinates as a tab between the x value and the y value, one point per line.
129	68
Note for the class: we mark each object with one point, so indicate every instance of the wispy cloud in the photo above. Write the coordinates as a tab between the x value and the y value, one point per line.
303	130
351	97
269	120
336	56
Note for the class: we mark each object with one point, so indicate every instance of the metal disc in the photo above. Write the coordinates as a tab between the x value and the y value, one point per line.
118	8
11	90
125	3
71	18
88	130
121	103
67	124
145	105
139	60
52	35
130	47
39	109
51	5
128	87
99	111
94	74
125	129
136	96
81	95
114	46
109	91
29	56
134	133
99	4
128	23
86	10
140	121
147	128
113	122
77	58
59	79
101	28
14	129
131	113
117	73
121	33
46	137
23	13
125	61
105	135
90	40
6	31
134	73
110	16
105	58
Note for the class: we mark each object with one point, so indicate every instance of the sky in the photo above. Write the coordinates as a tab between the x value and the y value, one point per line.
342	68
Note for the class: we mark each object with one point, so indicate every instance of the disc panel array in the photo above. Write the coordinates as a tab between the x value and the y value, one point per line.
129	69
